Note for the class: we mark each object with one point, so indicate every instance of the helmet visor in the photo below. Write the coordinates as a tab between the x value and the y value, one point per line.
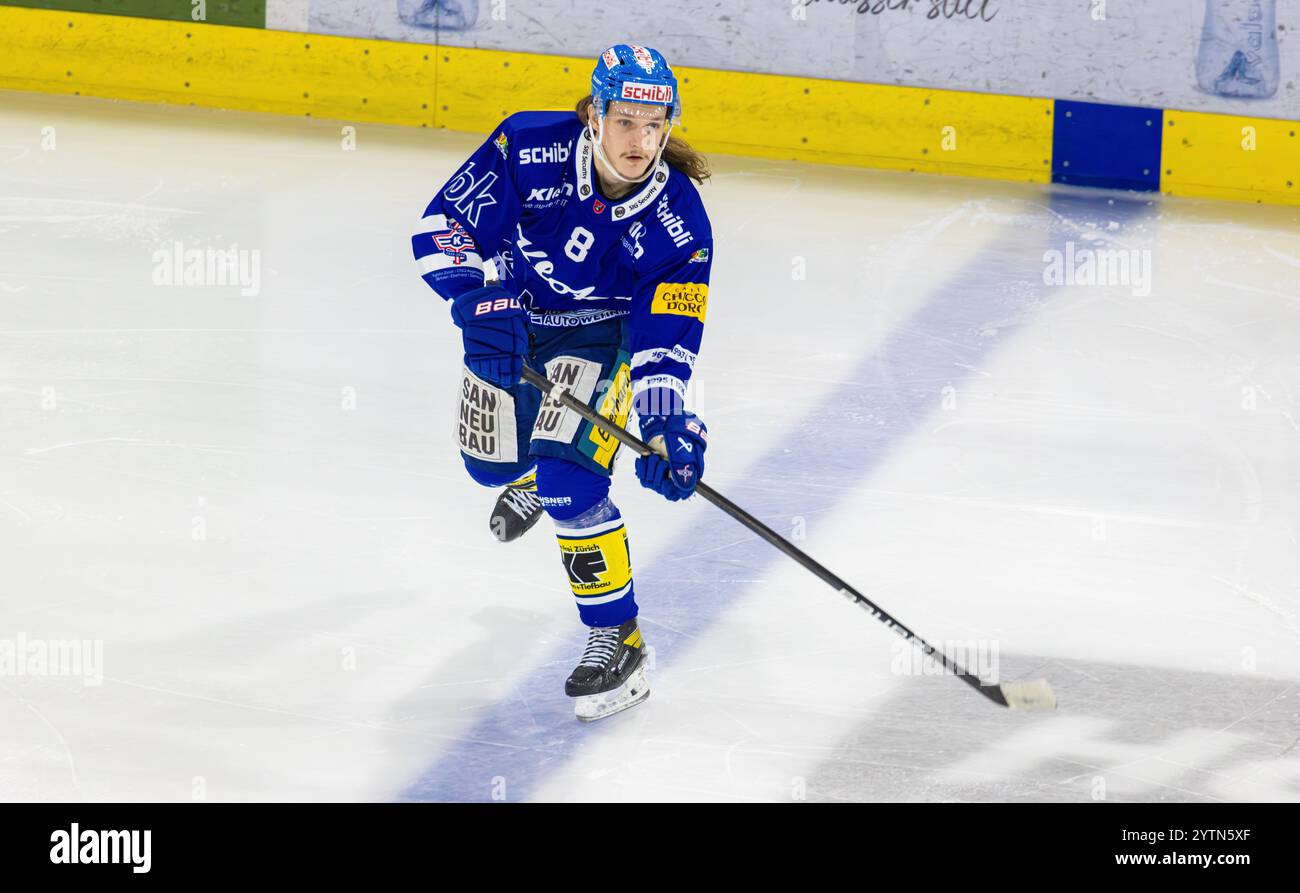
633	126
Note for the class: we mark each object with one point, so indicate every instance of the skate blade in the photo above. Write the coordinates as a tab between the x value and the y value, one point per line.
590	708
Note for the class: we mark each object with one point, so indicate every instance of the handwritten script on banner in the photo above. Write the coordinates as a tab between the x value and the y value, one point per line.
974	10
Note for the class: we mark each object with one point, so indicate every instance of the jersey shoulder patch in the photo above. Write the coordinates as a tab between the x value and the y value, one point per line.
537	137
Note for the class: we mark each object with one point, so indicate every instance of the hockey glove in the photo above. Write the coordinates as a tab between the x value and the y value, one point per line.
491	322
679	441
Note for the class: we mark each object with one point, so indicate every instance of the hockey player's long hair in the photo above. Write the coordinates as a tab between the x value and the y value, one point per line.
678	153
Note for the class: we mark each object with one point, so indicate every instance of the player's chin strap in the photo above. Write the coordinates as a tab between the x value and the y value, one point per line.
609	168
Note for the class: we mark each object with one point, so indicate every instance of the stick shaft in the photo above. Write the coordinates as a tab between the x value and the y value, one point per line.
562	395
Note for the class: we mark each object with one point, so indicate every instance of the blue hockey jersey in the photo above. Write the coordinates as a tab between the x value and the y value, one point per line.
529	200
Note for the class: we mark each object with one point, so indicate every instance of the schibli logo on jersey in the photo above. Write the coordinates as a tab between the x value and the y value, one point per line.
552	154
494	305
636	91
673	223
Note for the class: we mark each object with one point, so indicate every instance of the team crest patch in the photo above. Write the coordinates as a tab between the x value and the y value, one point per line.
700	256
597	206
502	143
454	241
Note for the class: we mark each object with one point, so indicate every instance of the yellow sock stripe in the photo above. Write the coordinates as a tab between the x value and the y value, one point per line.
527	482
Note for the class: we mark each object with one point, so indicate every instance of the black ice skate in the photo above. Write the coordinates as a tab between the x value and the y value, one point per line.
518	508
612	673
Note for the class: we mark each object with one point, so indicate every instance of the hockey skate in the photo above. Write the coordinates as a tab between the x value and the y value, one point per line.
611	676
518	508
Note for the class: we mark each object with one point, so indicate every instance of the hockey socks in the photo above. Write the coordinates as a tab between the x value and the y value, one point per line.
596	559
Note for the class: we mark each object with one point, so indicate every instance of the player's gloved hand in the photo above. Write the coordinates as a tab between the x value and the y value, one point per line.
679	439
491	322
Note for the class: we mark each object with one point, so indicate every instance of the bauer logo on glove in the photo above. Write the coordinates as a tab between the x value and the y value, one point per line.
491	322
497	304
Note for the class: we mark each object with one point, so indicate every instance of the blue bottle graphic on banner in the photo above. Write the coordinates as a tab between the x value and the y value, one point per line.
449	15
1239	54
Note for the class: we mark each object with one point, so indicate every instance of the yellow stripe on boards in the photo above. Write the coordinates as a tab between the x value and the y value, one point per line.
217	66
777	116
354	79
743	113
868	125
477	88
1227	157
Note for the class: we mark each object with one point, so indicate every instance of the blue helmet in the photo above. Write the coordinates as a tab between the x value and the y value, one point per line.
632	73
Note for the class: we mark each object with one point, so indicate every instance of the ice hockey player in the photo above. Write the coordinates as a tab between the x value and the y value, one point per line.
603	250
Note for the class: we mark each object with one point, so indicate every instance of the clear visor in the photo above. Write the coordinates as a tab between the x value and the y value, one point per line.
635	126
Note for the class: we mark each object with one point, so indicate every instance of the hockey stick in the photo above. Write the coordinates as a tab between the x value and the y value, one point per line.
1034	695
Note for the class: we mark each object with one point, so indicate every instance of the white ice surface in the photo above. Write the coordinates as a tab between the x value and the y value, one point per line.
255	505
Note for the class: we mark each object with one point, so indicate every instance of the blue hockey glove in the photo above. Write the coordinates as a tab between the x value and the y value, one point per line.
491	322
680	440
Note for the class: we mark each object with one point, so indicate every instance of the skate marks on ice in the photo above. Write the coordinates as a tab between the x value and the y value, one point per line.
1121	733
